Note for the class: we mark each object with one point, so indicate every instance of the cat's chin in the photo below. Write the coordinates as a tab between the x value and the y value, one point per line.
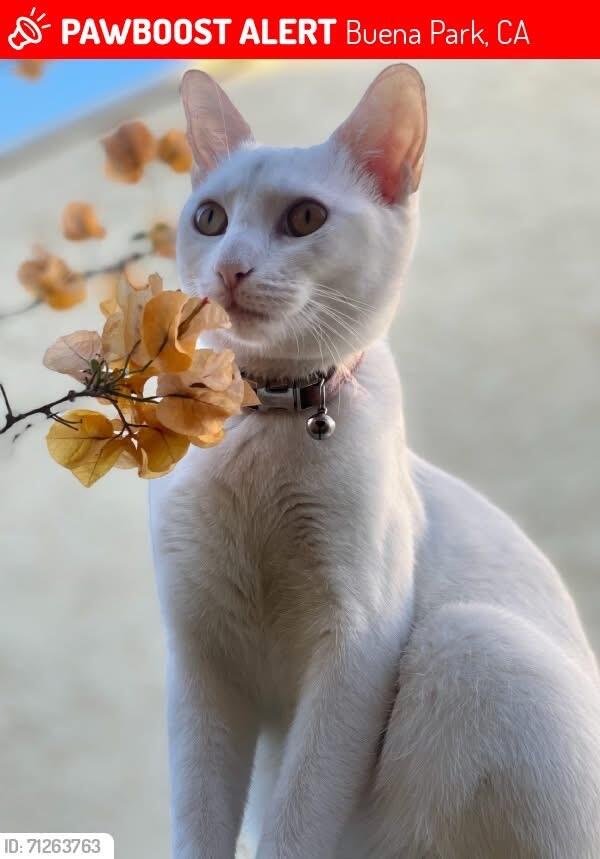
256	331
244	320
263	356
266	349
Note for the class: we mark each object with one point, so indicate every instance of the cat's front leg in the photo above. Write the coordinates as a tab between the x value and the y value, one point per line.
332	744
212	735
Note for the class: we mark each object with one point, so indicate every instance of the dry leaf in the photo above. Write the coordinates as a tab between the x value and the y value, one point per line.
193	417
128	150
128	457
215	370
51	280
174	150
130	388
171	325
191	408
109	305
74	354
162	237
249	398
209	439
159	450
30	69
211	316
88	448
121	336
79	221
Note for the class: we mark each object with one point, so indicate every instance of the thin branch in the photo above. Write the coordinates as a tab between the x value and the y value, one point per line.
64	421
101	384
9	410
8	314
124	421
11	419
92	272
117	266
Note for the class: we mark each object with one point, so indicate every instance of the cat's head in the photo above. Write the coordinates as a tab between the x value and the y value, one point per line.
305	248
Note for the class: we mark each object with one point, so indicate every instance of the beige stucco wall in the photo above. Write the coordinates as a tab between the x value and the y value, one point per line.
499	346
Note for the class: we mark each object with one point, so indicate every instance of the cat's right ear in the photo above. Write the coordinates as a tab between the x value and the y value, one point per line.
215	128
385	133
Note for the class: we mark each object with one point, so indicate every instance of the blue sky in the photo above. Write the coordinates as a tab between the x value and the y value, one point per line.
67	89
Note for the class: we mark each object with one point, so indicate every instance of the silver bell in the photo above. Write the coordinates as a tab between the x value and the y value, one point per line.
320	425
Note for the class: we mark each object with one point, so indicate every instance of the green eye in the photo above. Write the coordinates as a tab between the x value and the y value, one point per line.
304	218
210	219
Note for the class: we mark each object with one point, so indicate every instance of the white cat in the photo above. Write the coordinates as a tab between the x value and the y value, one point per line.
389	660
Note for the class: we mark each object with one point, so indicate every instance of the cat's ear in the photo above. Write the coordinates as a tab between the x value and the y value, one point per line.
385	134
215	128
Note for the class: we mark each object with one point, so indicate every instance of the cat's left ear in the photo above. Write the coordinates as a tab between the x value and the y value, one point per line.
215	128
385	134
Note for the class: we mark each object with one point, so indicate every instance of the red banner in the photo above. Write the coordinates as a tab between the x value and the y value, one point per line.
308	30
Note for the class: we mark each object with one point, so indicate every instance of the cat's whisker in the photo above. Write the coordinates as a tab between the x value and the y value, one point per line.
330	340
333	335
341	313
323	338
295	333
321	288
331	314
333	291
302	316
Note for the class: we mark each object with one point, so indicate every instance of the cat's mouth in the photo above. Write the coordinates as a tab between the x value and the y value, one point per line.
241	314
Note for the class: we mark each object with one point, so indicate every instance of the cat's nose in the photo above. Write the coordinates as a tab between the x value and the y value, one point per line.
232	274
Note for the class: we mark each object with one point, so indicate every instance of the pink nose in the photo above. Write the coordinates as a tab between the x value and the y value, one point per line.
232	275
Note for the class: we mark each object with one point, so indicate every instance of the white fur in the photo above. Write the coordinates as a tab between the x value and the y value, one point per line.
411	667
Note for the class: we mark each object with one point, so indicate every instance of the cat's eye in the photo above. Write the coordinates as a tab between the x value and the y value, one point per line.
304	218
210	219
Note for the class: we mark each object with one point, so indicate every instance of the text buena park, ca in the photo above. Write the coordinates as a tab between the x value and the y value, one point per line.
283	31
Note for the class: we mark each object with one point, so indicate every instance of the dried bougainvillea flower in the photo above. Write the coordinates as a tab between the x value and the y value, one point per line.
158	449
51	280
171	325
174	150
121	337
79	221
74	354
128	150
85	443
30	69
197	402
162	237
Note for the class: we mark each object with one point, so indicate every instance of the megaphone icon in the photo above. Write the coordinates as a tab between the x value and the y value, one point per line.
28	31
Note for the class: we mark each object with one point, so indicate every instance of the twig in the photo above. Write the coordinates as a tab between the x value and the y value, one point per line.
8	314
92	272
11	418
9	410
117	266
102	384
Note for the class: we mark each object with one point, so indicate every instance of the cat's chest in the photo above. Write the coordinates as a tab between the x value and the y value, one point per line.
271	540
254	523
267	490
253	544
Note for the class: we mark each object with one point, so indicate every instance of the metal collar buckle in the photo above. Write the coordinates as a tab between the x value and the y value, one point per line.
298	398
279	397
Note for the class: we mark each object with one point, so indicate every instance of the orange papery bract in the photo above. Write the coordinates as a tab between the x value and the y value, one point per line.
30	69
174	149
128	150
148	333
50	280
162	238
79	222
